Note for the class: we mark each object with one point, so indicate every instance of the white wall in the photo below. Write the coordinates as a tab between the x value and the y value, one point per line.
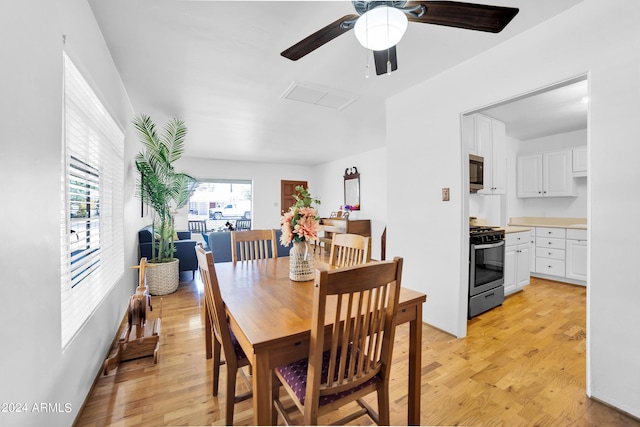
491	208
34	368
585	39
372	166
572	207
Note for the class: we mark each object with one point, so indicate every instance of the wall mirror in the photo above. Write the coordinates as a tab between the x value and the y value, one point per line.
352	188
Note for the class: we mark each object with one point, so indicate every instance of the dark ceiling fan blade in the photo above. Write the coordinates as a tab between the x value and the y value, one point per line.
317	39
381	56
469	16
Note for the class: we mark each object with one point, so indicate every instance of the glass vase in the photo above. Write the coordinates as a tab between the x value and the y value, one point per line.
301	266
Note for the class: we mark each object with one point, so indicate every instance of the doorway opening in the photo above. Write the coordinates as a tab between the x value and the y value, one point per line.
549	119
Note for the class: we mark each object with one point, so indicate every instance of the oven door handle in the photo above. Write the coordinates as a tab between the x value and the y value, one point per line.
490	245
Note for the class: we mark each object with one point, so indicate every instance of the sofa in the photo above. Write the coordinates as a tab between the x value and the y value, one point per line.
219	243
185	248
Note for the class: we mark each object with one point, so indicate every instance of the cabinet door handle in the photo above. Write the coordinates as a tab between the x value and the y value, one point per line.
549	242
549	253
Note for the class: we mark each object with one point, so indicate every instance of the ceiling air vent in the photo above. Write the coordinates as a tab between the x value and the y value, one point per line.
316	95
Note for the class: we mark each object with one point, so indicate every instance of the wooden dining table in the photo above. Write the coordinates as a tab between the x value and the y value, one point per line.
271	317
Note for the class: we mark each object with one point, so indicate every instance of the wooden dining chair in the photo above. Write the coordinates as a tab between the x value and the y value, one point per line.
253	244
243	224
361	302
224	339
349	249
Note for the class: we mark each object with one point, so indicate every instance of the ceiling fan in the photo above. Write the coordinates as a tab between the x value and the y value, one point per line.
379	25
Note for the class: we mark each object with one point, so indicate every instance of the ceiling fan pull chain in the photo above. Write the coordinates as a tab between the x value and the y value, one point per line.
366	74
388	47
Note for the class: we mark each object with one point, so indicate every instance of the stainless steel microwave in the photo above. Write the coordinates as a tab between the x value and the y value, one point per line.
476	173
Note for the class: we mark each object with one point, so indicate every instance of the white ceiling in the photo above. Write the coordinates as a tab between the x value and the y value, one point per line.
217	65
546	112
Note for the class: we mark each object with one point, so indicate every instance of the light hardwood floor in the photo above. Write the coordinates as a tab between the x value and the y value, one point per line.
522	364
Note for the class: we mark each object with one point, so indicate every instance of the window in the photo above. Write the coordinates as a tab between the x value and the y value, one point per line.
218	202
84	213
91	228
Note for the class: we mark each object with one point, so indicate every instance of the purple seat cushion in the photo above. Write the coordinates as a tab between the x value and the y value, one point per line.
295	375
236	347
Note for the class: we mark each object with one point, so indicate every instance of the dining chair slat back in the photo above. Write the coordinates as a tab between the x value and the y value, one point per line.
224	340
356	360
349	249
253	245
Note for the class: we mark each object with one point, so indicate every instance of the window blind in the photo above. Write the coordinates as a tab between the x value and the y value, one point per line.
91	228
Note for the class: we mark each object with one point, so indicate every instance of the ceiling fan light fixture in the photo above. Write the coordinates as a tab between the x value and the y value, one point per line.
380	28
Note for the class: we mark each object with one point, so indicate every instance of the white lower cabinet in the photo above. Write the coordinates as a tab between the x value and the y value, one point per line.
532	250
516	261
561	254
576	265
553	267
550	251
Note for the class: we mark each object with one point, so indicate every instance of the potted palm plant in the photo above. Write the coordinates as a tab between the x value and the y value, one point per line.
166	191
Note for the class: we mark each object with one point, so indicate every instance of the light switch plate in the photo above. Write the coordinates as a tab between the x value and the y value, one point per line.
445	194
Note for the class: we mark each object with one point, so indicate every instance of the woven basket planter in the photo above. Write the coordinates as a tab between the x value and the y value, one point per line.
163	278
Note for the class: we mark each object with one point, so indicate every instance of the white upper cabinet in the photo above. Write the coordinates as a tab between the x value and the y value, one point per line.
580	161
529	179
545	175
489	142
498	158
469	133
558	173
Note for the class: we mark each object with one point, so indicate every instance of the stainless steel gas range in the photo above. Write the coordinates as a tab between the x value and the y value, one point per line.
486	269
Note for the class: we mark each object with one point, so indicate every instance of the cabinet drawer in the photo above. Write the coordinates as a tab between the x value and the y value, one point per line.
574	234
550	232
550	243
512	239
550	253
485	301
554	267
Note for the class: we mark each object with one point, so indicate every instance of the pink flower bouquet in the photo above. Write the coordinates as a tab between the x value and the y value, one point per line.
301	222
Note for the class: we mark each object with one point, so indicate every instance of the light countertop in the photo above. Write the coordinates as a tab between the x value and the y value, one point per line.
552	222
514	229
508	229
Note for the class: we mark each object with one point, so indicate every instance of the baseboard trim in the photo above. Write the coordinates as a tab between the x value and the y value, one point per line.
615	408
559	279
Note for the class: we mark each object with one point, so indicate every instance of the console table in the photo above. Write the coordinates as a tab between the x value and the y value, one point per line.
345	225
